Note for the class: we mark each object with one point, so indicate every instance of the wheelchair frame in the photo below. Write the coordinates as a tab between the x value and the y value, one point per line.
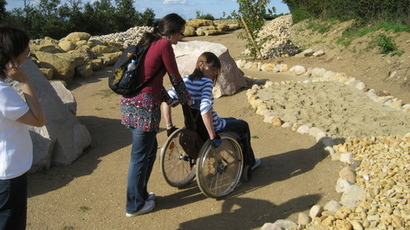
217	170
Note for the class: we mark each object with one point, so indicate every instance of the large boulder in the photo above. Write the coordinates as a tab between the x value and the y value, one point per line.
65	95
77	36
63	66
199	22
231	78
63	139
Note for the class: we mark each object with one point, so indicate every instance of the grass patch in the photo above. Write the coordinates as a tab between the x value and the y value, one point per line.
361	28
396	28
84	208
387	46
104	93
321	27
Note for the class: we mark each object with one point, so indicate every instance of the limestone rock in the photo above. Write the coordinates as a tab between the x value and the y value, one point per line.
77	36
231	78
65	95
304	219
199	22
315	211
348	174
63	67
63	139
67	45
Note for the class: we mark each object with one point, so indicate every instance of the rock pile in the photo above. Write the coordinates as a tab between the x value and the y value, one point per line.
126	38
194	27
202	27
275	39
75	55
374	185
382	169
332	106
79	53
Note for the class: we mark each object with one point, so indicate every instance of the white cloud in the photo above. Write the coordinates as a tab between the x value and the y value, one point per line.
175	2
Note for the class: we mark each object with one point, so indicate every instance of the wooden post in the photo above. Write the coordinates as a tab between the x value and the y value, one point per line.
251	37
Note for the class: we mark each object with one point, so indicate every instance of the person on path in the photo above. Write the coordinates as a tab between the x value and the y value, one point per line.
16	114
199	85
141	113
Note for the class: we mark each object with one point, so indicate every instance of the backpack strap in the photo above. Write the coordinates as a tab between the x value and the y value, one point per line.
146	82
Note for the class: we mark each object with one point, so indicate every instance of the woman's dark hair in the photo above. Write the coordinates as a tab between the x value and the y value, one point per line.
13	42
169	24
207	58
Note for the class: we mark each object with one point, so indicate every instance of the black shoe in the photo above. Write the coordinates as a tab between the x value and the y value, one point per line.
171	130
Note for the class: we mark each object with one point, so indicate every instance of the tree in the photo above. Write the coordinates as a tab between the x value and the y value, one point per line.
125	15
146	18
99	17
253	13
3	13
72	15
200	15
49	7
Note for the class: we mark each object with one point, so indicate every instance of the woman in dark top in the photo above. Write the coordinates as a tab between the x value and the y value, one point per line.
141	113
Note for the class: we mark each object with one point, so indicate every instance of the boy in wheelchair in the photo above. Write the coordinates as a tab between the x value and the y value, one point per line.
199	85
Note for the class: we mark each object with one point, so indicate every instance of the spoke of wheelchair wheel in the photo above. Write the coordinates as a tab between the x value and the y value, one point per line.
236	161
214	182
176	169
177	175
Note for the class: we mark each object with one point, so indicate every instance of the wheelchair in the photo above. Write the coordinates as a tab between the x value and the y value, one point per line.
188	153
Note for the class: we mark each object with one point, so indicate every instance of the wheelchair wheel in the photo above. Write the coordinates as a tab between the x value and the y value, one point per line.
246	173
177	167
218	170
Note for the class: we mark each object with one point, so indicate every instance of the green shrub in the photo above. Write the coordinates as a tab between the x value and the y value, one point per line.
200	15
387	45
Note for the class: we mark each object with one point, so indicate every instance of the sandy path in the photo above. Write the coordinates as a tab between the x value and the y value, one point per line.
90	194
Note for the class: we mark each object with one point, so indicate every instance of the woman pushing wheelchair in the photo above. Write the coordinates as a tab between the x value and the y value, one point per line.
199	85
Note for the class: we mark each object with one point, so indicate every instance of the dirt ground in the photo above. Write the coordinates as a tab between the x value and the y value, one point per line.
90	194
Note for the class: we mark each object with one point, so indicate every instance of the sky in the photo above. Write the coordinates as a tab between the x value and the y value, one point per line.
186	8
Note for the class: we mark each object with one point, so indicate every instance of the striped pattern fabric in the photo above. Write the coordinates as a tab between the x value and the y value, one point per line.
201	92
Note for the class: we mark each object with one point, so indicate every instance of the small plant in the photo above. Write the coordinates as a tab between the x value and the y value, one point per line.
84	208
255	137
386	44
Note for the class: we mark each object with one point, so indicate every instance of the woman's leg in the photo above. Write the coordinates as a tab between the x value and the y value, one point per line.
166	112
13	203
241	127
143	154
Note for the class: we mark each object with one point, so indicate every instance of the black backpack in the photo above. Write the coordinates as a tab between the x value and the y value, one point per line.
126	82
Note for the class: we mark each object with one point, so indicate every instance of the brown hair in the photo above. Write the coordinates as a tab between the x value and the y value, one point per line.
207	58
169	24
